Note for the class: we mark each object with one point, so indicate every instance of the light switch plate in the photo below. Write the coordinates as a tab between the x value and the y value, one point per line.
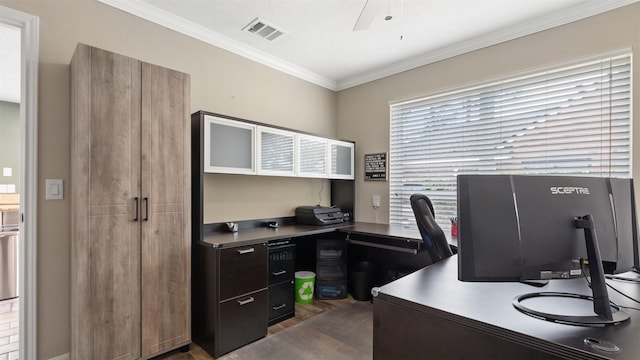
54	189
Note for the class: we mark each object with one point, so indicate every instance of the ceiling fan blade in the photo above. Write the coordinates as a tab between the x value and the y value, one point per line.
369	11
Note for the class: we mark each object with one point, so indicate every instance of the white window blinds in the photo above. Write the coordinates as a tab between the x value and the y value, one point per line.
570	121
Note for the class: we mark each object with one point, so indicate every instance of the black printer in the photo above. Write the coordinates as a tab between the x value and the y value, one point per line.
319	215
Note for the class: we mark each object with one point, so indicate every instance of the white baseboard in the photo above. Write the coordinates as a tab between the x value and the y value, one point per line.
61	357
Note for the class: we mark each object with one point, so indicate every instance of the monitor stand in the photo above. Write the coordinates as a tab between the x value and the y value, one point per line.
536	283
620	277
602	307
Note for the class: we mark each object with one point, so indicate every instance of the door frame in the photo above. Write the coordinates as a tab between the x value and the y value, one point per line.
29	26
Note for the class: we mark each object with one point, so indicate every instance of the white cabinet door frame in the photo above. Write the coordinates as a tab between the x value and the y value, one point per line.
341	156
276	152
232	151
313	156
238	147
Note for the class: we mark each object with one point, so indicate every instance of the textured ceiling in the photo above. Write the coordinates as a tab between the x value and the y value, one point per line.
319	44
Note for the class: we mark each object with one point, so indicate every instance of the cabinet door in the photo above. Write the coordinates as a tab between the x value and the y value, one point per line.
312	156
105	242
229	146
341	155
276	151
165	210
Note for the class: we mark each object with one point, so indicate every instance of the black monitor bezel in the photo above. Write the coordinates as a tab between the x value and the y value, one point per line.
466	262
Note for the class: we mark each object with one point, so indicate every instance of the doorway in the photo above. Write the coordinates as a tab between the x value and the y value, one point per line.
9	191
22	178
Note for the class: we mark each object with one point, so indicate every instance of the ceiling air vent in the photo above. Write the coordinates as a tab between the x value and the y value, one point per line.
262	29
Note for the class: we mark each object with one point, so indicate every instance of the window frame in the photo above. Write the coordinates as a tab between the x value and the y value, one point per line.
399	207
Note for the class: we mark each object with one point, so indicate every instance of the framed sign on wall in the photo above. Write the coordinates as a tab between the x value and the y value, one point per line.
375	166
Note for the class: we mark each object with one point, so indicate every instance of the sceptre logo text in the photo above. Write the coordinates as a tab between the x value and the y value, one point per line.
568	190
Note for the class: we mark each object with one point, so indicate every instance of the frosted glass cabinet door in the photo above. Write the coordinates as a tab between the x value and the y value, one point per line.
341	156
313	156
276	152
228	146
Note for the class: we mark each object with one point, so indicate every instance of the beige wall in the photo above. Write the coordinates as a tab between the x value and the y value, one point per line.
225	83
363	111
220	82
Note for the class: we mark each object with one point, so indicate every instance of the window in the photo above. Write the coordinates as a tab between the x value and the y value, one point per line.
569	121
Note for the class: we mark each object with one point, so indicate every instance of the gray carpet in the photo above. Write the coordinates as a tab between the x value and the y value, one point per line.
345	332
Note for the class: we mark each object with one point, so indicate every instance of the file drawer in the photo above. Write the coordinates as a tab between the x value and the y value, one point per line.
281	301
242	270
242	320
281	263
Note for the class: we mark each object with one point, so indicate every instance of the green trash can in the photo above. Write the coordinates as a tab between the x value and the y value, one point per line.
304	286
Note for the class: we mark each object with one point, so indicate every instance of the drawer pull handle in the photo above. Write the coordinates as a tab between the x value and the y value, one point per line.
246	301
246	251
278	273
278	307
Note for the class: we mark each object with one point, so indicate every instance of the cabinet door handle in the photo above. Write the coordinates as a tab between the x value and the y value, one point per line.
278	273
246	251
146	209
278	307
137	209
246	301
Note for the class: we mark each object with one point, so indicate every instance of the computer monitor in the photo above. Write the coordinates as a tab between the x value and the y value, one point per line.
536	228
517	227
626	226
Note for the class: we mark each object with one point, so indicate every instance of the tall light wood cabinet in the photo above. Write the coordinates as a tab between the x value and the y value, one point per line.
131	204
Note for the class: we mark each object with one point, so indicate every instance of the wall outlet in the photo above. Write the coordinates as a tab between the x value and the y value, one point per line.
375	201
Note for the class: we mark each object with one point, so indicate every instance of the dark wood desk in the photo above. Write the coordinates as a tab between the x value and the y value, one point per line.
383	236
430	314
230	272
386	238
249	236
394	249
260	234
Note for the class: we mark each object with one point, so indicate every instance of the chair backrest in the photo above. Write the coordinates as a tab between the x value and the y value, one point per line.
434	239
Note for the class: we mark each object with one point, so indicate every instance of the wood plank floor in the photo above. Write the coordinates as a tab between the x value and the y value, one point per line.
324	339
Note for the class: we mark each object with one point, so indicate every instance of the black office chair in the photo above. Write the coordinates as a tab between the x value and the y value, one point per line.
434	239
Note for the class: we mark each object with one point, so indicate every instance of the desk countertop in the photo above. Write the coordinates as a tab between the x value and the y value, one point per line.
487	307
397	232
252	236
383	230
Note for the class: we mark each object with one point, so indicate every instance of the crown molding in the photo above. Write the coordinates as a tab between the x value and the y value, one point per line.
170	21
163	18
526	28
